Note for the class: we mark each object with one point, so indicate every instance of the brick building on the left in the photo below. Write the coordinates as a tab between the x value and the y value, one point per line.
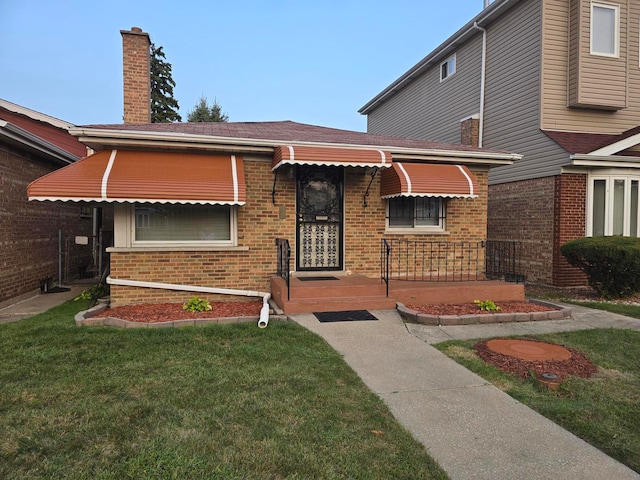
33	144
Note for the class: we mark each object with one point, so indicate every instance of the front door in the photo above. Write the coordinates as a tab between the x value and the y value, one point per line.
319	214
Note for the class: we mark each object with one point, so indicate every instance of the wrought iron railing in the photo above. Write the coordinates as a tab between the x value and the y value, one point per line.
385	255
503	260
412	260
284	262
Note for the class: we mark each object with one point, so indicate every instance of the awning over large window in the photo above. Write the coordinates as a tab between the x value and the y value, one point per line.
343	157
428	180
157	177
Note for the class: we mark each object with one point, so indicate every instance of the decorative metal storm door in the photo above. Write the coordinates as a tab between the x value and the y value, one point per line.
319	218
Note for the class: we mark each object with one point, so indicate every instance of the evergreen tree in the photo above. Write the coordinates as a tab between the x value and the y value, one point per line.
164	108
203	112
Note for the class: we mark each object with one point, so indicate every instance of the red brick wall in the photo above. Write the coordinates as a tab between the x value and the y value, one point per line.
524	211
259	223
29	230
541	214
570	206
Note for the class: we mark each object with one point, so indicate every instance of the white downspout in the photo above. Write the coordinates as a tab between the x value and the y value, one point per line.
482	82
264	312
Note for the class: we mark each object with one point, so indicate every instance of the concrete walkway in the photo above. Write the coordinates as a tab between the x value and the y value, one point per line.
34	303
471	428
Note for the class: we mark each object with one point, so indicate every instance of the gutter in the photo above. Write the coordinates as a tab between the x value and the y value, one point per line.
217	143
483	75
27	139
604	161
444	49
264	311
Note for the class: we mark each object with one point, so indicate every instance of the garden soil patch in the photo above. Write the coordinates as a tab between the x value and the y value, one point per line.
167	312
473	309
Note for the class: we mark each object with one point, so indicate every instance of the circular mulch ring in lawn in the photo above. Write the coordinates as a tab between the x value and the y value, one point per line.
522	357
528	350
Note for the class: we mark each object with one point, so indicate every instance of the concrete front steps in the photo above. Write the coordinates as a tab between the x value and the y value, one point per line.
357	292
347	293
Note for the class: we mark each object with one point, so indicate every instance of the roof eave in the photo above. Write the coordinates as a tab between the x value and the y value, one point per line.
447	47
604	161
127	138
26	139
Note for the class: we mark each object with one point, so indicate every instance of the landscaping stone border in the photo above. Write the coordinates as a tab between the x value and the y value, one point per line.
88	318
562	313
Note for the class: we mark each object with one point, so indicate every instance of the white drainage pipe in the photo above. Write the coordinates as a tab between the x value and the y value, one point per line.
264	311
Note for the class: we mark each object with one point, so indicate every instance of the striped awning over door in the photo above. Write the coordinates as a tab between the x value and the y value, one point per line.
330	156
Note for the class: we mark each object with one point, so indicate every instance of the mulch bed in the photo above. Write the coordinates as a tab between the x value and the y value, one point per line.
577	365
473	309
167	312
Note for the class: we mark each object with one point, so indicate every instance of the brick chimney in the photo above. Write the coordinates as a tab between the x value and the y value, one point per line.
470	131
136	75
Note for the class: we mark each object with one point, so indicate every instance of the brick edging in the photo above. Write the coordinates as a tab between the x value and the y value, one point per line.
443	320
87	318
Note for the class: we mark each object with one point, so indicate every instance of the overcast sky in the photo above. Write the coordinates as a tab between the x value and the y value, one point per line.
307	61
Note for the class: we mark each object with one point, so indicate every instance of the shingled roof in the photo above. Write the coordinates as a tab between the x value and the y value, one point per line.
582	143
287	131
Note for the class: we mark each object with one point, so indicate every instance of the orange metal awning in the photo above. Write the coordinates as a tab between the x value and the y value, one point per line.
343	157
156	177
428	180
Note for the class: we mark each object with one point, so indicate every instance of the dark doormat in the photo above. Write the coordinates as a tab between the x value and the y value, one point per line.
315	279
347	316
57	290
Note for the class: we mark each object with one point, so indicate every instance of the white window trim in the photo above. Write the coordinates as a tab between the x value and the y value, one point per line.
616	9
608	203
421	229
446	62
232	242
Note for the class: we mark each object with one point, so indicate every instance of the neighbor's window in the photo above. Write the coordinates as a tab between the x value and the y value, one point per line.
169	223
416	212
448	67
605	33
613	206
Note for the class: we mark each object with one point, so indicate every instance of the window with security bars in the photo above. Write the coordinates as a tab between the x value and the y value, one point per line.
416	212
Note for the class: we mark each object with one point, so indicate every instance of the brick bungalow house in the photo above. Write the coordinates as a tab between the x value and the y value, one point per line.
202	204
32	145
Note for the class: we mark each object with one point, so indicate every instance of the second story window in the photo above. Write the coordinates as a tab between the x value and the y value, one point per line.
605	29
448	67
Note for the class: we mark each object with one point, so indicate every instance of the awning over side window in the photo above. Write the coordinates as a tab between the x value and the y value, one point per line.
156	177
428	180
343	157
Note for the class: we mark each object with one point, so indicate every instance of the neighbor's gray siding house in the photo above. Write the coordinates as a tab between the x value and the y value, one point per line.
547	92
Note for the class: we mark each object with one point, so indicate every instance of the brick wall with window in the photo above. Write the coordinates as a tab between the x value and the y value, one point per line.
29	230
260	221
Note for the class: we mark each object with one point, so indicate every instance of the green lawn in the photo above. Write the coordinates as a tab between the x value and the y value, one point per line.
604	410
218	401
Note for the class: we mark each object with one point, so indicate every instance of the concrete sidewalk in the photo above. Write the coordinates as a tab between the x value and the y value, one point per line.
471	428
34	303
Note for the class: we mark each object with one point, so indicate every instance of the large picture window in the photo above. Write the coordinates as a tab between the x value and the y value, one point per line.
416	212
613	206
605	29
193	224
